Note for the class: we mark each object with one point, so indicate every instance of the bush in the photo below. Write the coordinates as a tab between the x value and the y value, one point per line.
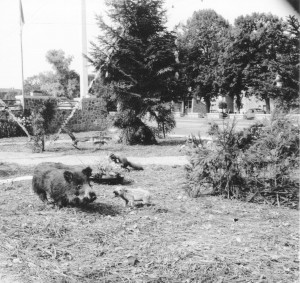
134	131
42	123
272	162
164	117
257	164
10	128
222	105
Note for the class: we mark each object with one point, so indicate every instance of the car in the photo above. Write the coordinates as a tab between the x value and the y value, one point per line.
250	114
256	110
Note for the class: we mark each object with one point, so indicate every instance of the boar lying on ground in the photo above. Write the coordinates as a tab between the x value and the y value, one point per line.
66	185
132	195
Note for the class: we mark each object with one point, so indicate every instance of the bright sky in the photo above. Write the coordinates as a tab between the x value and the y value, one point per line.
56	24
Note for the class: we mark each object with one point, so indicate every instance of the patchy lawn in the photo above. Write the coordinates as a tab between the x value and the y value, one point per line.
178	239
165	147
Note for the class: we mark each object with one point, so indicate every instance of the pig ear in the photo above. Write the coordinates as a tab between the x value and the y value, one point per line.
68	176
87	171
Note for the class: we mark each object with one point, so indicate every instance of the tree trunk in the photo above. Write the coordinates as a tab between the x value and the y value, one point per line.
237	102
163	129
207	104
38	143
268	108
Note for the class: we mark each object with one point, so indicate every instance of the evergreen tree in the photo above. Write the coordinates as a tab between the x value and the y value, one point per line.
136	54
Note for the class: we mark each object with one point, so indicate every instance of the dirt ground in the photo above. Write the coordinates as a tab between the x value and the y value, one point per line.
177	239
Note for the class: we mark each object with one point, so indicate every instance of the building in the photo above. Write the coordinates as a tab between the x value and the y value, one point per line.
196	108
193	107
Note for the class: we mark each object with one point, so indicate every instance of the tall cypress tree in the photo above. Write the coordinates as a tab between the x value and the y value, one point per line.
136	54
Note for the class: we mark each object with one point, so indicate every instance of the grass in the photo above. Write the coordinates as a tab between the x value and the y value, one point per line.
166	147
177	239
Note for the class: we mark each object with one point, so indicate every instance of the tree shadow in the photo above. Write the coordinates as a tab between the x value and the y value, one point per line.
172	142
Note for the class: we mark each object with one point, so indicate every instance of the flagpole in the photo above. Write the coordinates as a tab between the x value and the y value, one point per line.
83	73
21	41
23	98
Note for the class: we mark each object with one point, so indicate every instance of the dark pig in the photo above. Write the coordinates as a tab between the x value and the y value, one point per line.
66	185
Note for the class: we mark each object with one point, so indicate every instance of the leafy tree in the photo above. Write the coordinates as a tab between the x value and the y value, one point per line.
199	43
222	105
63	82
258	49
46	82
287	66
232	62
136	56
68	79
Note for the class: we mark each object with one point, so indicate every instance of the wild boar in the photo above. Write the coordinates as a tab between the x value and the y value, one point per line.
66	185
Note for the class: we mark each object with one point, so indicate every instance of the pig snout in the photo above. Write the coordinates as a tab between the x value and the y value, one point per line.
89	194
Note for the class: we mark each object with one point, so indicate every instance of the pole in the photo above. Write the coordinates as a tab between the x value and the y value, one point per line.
21	41
83	74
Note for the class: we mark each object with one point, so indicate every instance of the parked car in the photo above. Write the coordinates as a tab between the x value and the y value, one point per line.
250	114
223	115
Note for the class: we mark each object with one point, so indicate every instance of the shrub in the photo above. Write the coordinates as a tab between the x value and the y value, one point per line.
257	164
222	105
216	169
9	128
134	131
272	162
42	123
164	117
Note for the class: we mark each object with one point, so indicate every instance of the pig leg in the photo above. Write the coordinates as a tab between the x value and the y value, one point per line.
37	186
42	195
63	201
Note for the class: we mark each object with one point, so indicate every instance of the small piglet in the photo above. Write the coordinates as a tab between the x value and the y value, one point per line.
66	185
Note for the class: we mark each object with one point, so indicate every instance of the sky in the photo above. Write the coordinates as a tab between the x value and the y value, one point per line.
56	24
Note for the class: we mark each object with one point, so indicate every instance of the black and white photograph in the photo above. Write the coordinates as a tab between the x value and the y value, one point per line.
149	141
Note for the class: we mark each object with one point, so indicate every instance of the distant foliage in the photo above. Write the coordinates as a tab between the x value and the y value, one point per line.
61	82
258	164
9	128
